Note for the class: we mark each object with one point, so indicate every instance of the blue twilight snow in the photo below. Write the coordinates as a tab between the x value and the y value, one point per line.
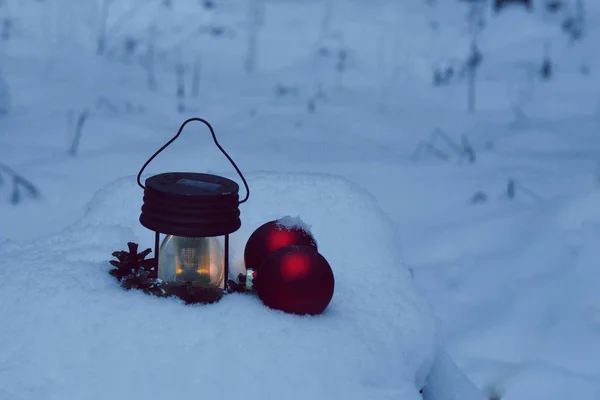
71	332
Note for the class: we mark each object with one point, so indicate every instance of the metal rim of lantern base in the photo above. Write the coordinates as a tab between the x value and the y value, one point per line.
193	294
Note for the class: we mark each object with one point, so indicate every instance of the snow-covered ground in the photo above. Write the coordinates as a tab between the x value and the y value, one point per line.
504	248
70	332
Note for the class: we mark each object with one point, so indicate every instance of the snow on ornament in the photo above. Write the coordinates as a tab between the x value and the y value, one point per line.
274	235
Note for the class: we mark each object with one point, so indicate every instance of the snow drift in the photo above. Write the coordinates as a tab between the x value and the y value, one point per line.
70	332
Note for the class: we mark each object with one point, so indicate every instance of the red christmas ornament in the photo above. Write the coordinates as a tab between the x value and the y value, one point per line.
274	235
295	279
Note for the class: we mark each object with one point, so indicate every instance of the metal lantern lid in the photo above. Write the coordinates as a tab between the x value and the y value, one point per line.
191	204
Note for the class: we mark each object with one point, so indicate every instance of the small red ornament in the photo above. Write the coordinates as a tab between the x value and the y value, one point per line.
274	235
295	279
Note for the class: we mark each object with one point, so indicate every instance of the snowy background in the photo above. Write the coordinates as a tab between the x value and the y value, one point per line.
477	187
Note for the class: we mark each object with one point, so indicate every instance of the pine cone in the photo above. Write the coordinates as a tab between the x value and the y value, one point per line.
133	271
129	262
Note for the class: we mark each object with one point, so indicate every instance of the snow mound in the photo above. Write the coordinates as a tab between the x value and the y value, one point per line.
70	332
447	382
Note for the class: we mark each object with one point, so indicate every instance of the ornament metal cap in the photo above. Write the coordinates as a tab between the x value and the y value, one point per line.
250	274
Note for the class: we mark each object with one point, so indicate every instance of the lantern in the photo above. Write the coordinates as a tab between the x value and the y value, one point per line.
192	210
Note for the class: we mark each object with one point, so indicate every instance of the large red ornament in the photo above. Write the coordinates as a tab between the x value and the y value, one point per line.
295	279
274	235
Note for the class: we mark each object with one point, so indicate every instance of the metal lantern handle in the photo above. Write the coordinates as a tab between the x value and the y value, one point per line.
216	143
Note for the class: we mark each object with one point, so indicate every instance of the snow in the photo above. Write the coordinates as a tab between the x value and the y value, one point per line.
71	332
288	222
511	280
447	382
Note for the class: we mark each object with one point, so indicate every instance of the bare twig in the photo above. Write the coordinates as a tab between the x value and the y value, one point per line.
104	102
213	30
464	150
19	184
151	58
443	136
468	150
428	147
513	189
476	23
123	18
255	22
101	39
180	89
83	116
529	192
196	72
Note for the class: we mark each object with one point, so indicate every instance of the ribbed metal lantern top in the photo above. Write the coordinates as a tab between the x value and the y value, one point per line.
191	204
